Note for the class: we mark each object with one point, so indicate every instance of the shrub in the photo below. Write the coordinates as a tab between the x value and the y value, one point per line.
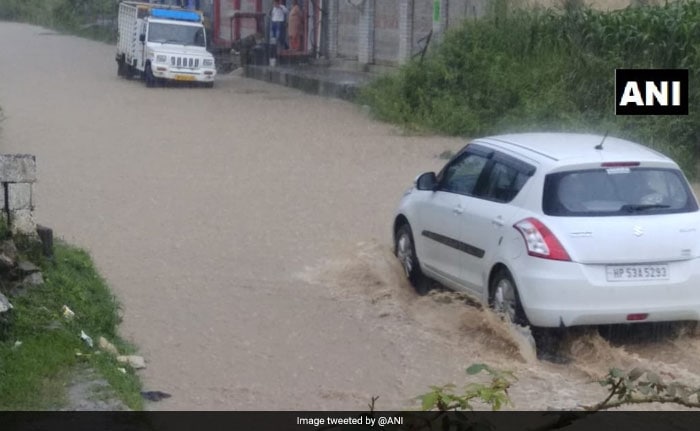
547	69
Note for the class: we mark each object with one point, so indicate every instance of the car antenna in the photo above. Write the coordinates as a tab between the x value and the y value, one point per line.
600	146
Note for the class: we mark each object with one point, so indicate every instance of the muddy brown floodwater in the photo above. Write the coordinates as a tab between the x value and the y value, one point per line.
246	231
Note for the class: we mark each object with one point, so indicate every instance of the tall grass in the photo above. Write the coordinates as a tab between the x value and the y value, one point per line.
547	69
90	18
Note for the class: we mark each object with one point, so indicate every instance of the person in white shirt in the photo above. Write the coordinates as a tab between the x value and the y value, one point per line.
278	16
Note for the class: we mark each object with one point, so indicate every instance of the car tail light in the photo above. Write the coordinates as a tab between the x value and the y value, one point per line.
540	241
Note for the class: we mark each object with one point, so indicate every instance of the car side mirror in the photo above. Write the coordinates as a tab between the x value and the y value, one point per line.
142	37
426	181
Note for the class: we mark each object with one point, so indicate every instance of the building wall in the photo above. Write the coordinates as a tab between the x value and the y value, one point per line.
226	8
459	10
348	21
386	31
386	38
422	22
248	26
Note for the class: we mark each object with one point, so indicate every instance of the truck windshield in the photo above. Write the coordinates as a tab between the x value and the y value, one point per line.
176	34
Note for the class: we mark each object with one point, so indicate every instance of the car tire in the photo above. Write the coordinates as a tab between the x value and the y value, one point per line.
148	77
405	251
505	300
208	85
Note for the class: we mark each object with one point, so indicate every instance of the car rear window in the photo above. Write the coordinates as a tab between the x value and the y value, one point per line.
617	191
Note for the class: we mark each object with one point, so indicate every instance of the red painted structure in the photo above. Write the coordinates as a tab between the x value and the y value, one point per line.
227	27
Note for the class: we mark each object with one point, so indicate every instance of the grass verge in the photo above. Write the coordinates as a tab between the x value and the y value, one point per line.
34	375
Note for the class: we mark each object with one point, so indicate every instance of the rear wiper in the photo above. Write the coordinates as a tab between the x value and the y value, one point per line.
634	208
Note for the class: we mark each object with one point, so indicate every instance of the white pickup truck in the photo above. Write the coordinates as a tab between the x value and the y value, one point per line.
163	43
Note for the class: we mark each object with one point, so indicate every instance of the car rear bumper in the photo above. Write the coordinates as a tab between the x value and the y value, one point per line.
557	293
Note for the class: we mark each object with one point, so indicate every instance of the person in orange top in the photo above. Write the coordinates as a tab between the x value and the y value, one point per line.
296	26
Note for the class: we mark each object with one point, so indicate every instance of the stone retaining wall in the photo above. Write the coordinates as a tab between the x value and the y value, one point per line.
17	176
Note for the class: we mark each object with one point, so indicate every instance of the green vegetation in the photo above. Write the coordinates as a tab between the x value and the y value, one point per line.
41	348
642	386
546	69
494	393
87	18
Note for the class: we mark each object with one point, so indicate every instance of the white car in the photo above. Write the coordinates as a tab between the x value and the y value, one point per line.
557	230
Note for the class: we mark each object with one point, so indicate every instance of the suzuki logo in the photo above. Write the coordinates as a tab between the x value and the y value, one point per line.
638	231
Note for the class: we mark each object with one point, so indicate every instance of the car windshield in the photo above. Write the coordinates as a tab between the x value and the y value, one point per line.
617	191
176	34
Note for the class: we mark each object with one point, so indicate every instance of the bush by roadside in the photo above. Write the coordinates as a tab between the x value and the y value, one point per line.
41	346
95	19
540	69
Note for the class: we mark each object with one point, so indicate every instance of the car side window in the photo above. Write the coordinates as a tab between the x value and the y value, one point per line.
503	183
463	173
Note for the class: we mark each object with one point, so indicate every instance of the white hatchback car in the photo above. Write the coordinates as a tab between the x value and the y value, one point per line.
557	230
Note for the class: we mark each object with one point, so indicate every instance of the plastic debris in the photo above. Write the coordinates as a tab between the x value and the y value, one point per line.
85	337
5	304
107	346
122	370
17	344
136	362
67	312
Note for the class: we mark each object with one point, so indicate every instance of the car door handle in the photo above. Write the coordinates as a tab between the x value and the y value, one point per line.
498	221
459	209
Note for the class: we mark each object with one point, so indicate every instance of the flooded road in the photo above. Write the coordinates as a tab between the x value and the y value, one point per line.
246	232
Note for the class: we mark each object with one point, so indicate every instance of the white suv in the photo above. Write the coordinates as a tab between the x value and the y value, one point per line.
557	230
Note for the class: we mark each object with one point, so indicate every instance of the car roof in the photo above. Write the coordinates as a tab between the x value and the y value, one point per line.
550	148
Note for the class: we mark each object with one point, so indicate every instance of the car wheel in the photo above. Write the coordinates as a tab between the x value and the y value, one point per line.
505	299
405	251
148	77
208	85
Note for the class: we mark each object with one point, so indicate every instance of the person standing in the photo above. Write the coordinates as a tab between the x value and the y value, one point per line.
296	26
277	17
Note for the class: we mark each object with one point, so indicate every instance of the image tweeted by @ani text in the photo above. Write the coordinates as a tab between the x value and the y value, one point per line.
370	421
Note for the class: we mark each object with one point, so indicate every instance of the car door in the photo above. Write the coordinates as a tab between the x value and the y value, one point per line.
440	214
488	216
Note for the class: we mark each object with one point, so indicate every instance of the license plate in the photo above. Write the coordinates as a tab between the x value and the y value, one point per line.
184	78
637	272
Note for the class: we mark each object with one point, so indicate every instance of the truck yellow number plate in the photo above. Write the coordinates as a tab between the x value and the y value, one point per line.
184	78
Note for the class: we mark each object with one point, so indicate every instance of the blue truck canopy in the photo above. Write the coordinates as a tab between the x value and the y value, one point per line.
180	15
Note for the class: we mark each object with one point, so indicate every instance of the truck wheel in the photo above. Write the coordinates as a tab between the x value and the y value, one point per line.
128	71
148	77
120	67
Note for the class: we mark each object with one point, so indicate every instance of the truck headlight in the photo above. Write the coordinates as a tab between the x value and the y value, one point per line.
208	62
161	58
